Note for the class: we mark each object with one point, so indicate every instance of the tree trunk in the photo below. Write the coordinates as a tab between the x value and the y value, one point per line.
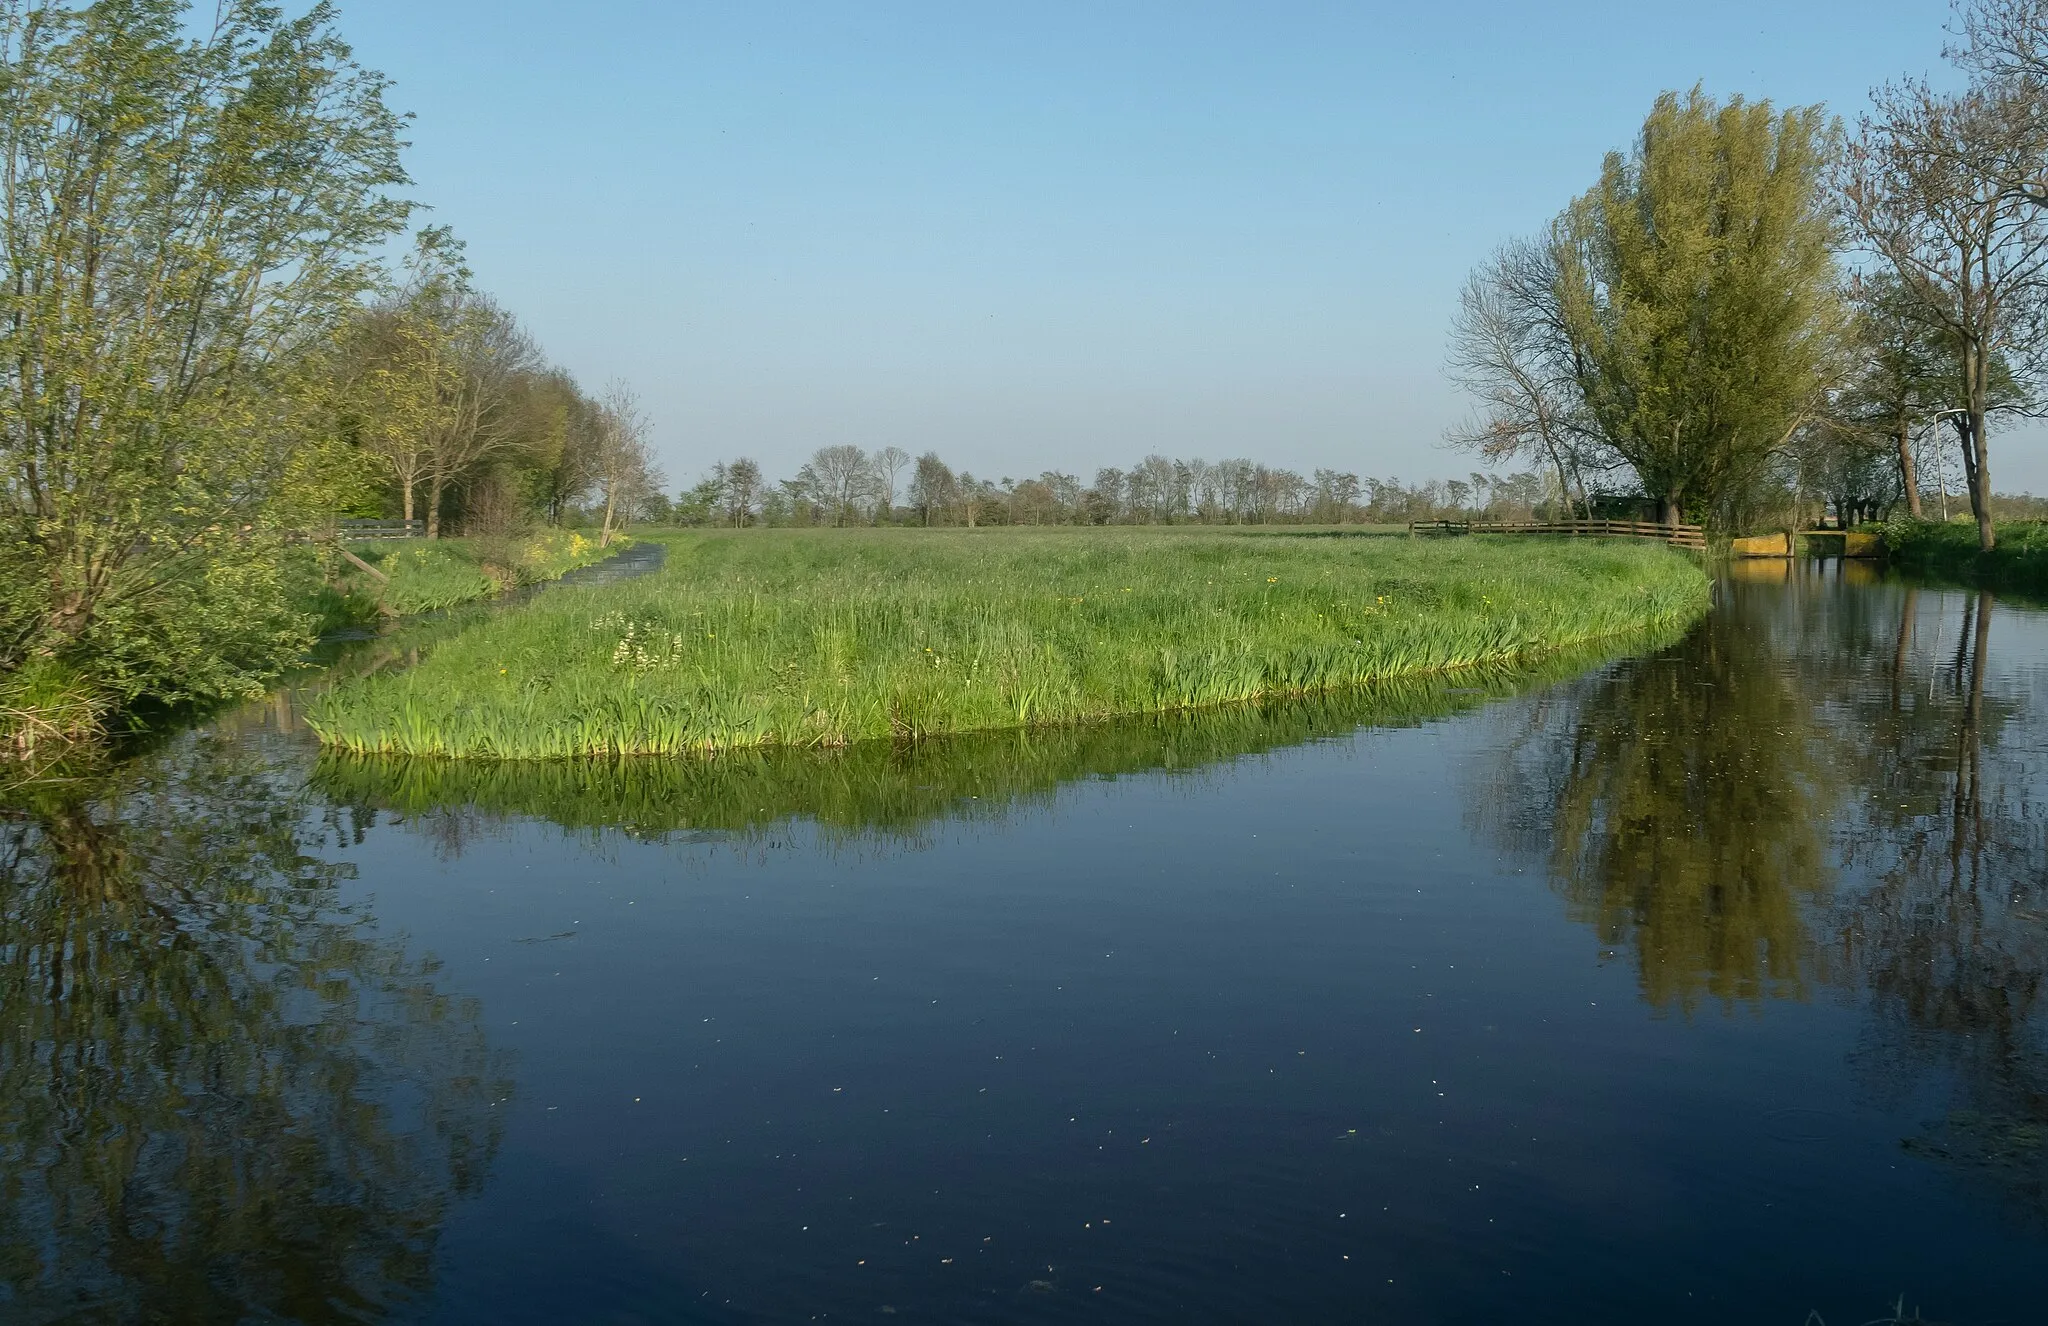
1671	510
435	486
1906	475
407	486
1987	537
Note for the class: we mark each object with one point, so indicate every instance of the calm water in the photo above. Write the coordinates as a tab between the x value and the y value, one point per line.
1702	986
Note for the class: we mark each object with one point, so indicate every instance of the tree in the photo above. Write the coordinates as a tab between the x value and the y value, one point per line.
625	461
739	485
842	474
558	428
1512	351
1928	187
474	355
1695	283
887	465
188	213
1897	381
2005	44
1105	498
699	503
932	486
1336	496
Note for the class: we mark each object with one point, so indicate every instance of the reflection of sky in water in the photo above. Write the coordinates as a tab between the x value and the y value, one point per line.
1699	985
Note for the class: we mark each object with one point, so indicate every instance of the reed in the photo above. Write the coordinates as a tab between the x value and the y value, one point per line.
824	638
897	792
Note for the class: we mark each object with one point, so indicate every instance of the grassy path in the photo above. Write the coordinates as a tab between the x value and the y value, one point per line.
822	638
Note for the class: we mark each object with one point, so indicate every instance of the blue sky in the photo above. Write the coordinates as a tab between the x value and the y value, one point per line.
1049	235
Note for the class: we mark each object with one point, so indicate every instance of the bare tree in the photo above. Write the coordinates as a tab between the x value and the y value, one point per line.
1512	352
2005	44
625	467
1928	188
887	464
842	474
478	355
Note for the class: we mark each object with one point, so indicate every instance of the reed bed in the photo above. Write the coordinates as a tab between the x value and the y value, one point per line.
880	791
824	638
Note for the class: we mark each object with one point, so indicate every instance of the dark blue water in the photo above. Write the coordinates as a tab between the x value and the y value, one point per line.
1704	986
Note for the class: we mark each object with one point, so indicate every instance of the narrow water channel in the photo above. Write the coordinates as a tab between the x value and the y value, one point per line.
1702	985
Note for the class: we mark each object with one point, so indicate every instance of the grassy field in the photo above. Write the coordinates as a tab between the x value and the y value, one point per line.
1949	550
824	638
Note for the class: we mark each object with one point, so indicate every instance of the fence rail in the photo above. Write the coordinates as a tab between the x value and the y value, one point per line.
381	529
1678	536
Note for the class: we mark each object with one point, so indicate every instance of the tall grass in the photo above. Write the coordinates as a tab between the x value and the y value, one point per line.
876	790
822	638
427	577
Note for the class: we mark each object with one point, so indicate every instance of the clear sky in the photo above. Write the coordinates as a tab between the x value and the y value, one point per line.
1049	235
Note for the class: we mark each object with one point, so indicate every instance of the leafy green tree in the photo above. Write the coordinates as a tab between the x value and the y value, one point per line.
1695	284
184	222
553	455
933	488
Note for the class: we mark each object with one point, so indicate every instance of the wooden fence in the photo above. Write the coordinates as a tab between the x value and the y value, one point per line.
1678	536
366	530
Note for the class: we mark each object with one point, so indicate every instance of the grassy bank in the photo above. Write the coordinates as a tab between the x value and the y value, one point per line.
1949	550
426	577
823	638
887	790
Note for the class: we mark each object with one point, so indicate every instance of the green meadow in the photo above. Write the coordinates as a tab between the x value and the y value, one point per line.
824	638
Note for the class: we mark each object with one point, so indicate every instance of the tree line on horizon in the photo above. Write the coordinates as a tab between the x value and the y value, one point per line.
846	485
1755	314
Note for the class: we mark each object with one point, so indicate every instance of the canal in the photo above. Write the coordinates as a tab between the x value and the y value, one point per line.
1703	984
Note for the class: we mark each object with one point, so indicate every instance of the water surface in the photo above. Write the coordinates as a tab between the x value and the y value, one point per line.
1701	985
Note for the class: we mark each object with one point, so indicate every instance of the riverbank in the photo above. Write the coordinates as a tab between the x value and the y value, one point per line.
428	577
1949	551
825	638
53	711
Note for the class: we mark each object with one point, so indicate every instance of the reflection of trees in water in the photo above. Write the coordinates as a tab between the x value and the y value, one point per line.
1819	787
1682	800
221	1095
1950	936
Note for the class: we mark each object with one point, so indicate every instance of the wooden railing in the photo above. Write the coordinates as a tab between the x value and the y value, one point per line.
1678	536
381	529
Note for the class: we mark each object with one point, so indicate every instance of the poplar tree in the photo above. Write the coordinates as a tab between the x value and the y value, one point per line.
1695	285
